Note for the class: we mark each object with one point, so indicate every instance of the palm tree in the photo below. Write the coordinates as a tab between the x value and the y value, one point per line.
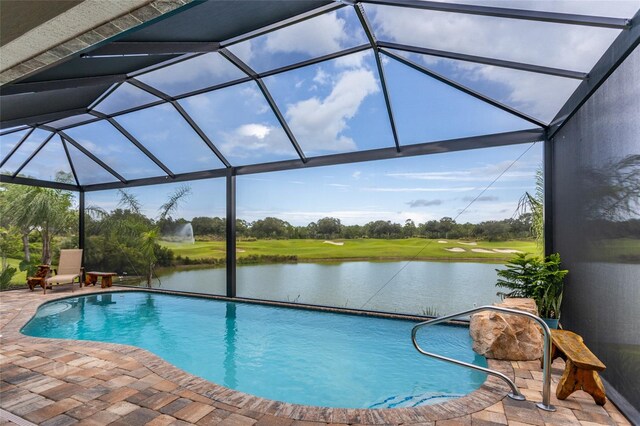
45	210
148	233
535	204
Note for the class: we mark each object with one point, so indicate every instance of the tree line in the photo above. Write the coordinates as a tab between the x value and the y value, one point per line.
332	228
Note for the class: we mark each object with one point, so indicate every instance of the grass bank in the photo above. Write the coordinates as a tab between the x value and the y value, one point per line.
359	249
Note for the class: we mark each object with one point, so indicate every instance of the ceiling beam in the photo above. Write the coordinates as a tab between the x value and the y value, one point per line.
465	89
284	23
36	182
265	92
42	118
16	147
69	83
452	145
91	156
149	48
366	26
501	12
68	155
33	154
486	61
134	141
621	47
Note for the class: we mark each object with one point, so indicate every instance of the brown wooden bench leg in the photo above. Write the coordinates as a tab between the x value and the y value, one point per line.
575	378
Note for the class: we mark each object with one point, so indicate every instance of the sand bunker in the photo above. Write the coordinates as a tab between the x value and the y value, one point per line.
443	242
456	249
468	244
240	251
506	251
334	243
477	250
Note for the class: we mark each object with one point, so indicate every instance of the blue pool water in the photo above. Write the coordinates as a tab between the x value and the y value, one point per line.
293	355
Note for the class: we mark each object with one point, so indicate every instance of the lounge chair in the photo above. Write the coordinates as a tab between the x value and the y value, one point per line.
38	279
69	269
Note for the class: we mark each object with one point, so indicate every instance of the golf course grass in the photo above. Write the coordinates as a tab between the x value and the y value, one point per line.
357	249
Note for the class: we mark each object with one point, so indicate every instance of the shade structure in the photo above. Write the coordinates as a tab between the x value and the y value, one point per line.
336	83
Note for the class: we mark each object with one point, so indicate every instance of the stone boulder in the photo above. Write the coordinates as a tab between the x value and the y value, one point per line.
497	335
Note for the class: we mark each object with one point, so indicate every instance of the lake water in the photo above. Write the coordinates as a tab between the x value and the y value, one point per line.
414	288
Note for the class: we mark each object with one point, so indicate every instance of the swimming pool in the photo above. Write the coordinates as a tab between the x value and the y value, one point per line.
292	355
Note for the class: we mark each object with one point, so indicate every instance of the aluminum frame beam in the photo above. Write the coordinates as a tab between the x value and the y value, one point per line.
548	196
18	180
465	89
366	26
194	126
231	233
33	154
149	48
17	129
501	12
15	148
73	168
70	83
558	72
265	92
621	47
282	24
91	156
134	141
81	222
43	118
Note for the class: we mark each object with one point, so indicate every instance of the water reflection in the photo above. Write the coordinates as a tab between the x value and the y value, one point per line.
230	379
101	300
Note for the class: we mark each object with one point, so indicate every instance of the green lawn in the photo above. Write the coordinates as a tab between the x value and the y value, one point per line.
317	250
20	276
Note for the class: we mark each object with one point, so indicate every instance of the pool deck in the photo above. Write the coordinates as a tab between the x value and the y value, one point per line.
63	382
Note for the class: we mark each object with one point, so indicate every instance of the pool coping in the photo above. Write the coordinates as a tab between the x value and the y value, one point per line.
489	393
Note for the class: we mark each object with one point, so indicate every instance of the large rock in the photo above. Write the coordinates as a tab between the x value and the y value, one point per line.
509	337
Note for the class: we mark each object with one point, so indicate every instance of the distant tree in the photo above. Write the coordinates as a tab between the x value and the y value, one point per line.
329	227
409	229
270	227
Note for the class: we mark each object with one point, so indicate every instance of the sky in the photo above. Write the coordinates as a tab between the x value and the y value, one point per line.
338	106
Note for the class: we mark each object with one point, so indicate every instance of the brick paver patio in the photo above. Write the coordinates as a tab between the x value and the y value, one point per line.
63	382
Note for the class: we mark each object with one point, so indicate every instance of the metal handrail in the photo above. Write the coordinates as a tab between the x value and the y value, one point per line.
515	392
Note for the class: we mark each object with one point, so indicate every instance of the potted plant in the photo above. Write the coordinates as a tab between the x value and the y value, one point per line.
536	278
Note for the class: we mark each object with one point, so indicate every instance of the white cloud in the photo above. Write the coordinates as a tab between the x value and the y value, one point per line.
518	171
206	69
259	131
321	77
254	139
314	37
356	175
319	123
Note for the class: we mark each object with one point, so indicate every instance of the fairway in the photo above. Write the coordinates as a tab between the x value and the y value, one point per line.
359	249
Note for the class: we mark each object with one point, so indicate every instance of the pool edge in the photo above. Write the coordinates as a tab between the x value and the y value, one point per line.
488	394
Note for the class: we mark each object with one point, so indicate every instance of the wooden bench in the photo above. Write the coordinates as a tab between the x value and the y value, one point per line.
581	369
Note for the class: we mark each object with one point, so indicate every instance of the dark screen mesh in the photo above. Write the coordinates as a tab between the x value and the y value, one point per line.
596	217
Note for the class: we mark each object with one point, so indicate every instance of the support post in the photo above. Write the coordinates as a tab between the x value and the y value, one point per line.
548	196
231	232
81	225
